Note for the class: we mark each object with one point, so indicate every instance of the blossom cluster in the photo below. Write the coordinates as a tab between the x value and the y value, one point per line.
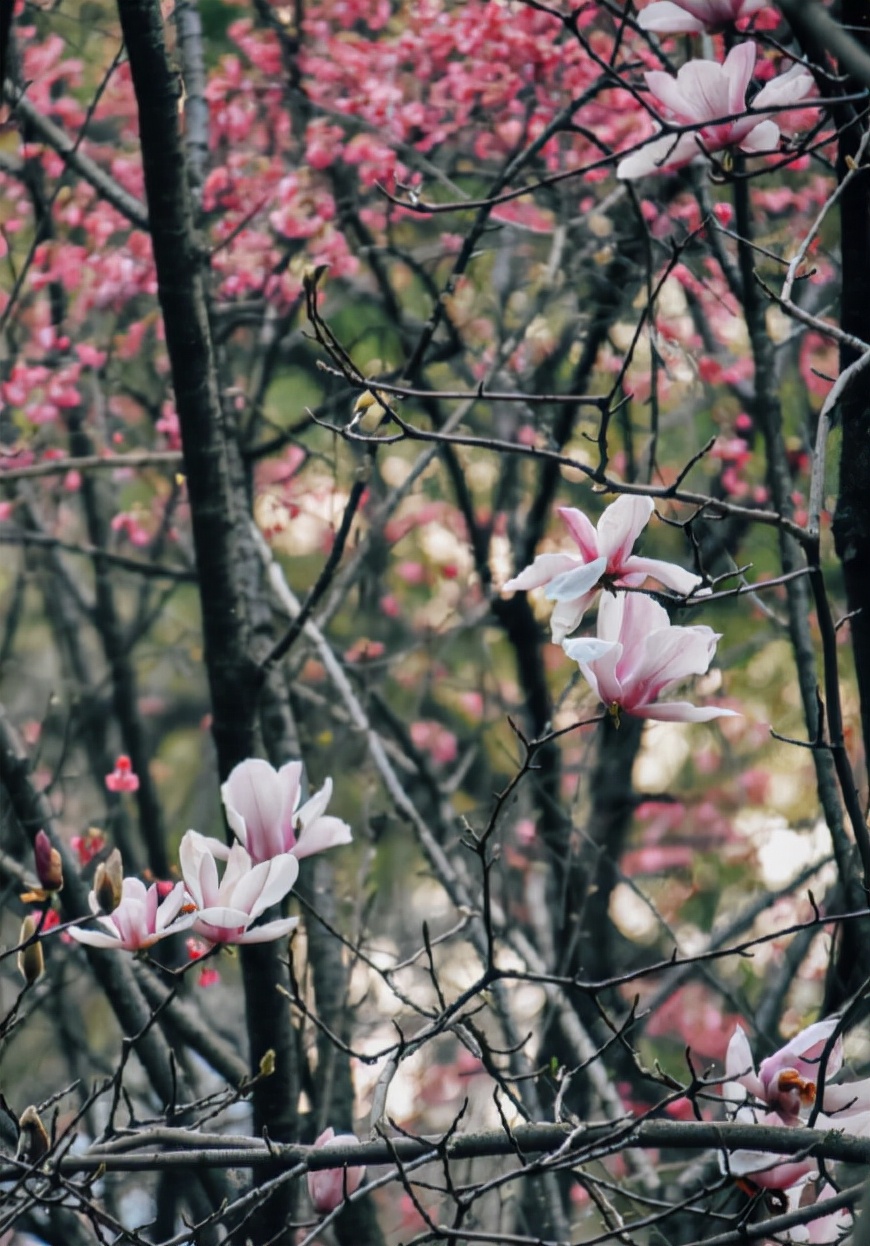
274	828
638	654
784	1091
703	109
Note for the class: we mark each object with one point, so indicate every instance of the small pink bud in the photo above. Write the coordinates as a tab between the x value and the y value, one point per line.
328	1187
123	778
49	869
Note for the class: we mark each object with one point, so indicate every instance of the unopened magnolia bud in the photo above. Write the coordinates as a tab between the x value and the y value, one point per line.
49	868
31	964
33	1141
108	882
329	1187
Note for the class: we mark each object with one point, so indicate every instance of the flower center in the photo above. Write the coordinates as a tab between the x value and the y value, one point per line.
790	1079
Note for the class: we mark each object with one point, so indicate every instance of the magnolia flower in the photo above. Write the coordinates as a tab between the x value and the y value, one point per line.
765	1168
228	907
704	94
605	555
786	1081
139	920
694	16
328	1187
825	1229
638	655
263	810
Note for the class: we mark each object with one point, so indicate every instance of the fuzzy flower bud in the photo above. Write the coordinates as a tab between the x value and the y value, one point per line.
31	964
33	1140
49	869
109	882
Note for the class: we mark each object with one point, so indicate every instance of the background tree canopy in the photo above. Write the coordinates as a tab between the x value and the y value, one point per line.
434	621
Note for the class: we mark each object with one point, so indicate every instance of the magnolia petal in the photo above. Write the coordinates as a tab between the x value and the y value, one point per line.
96	938
315	805
319	836
269	932
576	582
621	525
587	649
738	68
763	137
667	573
667	152
665	18
738	1057
846	1103
568	615
545	568
682	712
581	530
791	87
253	798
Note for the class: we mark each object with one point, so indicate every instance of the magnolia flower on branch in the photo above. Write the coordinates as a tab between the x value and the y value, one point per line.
784	1092
638	655
711	98
329	1187
139	920
678	17
605	558
264	812
787	1081
228	906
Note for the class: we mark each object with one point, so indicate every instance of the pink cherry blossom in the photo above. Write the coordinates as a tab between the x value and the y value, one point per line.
139	920
264	812
710	98
227	908
639	655
605	557
123	778
328	1187
676	17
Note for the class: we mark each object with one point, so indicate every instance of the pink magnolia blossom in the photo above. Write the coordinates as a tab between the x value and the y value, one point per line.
639	655
831	1227
604	557
227	908
328	1187
139	920
704	95
264	812
786	1081
765	1168
677	17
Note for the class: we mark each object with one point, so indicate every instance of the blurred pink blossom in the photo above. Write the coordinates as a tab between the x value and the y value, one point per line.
328	1187
430	737
639	655
711	98
605	559
123	778
677	17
